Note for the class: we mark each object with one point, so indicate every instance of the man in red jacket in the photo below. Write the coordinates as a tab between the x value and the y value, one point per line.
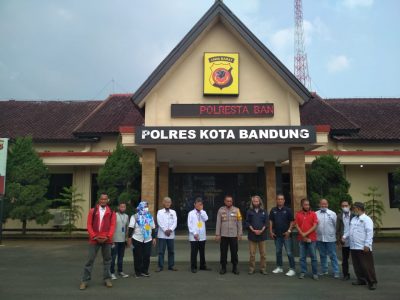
100	226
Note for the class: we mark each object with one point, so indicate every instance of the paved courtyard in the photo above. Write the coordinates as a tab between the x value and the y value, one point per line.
46	269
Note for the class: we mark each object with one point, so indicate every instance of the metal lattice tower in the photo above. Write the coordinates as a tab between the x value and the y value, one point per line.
300	56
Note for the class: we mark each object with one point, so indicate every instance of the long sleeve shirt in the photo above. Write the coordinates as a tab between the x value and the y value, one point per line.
326	229
229	222
197	224
360	232
166	220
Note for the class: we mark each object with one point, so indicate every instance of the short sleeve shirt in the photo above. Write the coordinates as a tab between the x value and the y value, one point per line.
306	220
281	219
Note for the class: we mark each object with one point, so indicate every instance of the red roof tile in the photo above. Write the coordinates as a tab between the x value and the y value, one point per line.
117	110
43	120
378	118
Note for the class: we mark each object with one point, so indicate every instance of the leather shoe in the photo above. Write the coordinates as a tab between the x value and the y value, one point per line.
358	282
205	269
372	286
194	270
222	271
235	271
346	277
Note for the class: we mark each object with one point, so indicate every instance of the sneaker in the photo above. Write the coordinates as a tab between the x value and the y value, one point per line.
113	277
277	270
301	276
372	286
83	286
145	274
263	272
315	277
108	283
323	274
251	272
336	276
291	273
123	275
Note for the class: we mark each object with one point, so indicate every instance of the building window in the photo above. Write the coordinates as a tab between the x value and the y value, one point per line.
56	185
394	191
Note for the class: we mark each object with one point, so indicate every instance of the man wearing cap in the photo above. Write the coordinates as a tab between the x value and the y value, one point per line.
228	232
360	234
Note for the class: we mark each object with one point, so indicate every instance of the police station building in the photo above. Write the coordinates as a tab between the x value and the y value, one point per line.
220	114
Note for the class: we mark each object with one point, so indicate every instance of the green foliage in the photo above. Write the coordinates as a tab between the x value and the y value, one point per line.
27	183
120	176
374	207
325	179
72	210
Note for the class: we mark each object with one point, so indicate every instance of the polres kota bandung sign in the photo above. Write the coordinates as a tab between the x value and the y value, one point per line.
226	135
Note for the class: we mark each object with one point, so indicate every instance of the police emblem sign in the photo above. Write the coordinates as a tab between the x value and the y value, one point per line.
221	74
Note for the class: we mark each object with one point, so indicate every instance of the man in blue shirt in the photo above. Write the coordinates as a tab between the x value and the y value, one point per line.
281	222
257	223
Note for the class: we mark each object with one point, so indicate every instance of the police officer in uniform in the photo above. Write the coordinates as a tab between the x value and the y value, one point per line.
228	232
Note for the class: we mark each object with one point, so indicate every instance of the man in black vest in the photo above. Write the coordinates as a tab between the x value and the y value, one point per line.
342	224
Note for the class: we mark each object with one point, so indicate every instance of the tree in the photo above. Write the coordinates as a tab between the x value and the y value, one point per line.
374	207
325	179
27	183
72	211
120	176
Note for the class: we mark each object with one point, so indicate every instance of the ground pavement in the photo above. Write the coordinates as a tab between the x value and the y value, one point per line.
46	269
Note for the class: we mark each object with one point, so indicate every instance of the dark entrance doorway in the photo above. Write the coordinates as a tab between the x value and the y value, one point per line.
212	188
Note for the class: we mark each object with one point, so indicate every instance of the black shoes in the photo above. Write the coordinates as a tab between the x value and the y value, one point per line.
205	269
222	271
235	270
358	282
194	270
372	286
346	277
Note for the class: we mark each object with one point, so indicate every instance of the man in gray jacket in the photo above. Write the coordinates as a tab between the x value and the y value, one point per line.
326	238
228	232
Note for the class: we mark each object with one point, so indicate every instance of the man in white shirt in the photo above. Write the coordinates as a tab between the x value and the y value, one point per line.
360	234
197	235
326	238
167	222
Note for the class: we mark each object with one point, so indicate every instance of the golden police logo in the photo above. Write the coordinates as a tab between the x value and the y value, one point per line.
221	73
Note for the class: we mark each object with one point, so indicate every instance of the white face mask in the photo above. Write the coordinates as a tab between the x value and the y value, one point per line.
146	209
346	209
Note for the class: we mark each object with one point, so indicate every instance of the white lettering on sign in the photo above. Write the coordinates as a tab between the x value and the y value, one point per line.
251	134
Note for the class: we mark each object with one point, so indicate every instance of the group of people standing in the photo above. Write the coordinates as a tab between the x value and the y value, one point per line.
321	230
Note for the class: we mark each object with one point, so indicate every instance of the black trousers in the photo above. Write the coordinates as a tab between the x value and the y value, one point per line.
196	247
363	264
141	255
345	260
232	243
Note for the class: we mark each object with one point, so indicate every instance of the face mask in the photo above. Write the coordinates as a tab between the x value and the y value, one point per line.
146	209
346	209
324	209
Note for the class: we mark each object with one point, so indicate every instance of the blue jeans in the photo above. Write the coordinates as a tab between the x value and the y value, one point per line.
308	249
279	243
326	249
117	251
162	244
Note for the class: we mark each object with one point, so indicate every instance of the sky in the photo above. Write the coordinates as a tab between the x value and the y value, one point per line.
82	50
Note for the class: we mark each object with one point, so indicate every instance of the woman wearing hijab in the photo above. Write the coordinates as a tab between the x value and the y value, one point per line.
142	233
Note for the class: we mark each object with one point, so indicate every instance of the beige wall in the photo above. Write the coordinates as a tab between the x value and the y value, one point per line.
362	178
258	83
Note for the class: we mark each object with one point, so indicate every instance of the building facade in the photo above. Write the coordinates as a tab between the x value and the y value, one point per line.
220	115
